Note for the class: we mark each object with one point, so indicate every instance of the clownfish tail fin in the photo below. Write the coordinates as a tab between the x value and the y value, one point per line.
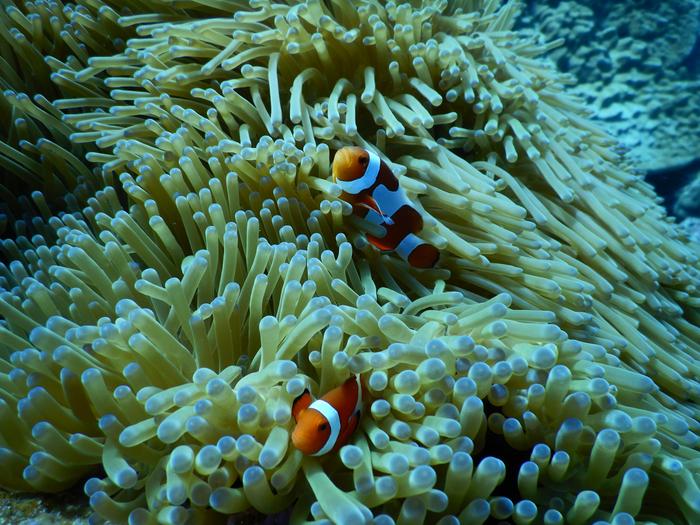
301	403
417	252
424	256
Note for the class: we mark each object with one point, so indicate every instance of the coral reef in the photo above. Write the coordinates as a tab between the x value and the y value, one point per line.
180	269
692	226
688	201
635	64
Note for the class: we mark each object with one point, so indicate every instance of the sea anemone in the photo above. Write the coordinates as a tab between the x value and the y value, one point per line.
197	271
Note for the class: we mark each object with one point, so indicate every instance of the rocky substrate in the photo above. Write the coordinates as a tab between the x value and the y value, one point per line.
637	64
67	508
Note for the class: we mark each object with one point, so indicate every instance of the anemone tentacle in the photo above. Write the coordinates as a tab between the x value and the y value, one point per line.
180	269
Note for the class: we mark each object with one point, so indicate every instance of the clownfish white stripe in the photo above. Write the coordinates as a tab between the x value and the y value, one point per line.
368	178
390	201
407	245
331	414
358	405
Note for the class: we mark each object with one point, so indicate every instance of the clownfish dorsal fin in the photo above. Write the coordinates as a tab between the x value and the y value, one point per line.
301	403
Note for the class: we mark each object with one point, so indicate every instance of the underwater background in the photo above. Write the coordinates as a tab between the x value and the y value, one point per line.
635	65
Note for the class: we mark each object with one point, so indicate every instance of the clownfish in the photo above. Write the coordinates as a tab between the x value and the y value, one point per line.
374	192
327	423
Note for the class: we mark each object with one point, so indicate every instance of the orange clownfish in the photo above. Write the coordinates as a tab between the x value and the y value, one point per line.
327	423
374	192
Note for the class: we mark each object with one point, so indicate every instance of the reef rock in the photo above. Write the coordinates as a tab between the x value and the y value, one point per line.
688	201
692	226
636	67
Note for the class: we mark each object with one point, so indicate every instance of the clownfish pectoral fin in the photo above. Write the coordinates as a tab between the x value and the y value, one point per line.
301	403
373	205
367	201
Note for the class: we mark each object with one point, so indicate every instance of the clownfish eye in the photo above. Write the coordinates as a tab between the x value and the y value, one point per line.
322	427
364	160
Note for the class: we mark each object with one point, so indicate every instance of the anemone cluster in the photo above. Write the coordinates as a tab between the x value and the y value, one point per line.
179	269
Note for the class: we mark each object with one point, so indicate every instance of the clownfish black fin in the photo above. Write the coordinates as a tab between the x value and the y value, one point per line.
301	403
